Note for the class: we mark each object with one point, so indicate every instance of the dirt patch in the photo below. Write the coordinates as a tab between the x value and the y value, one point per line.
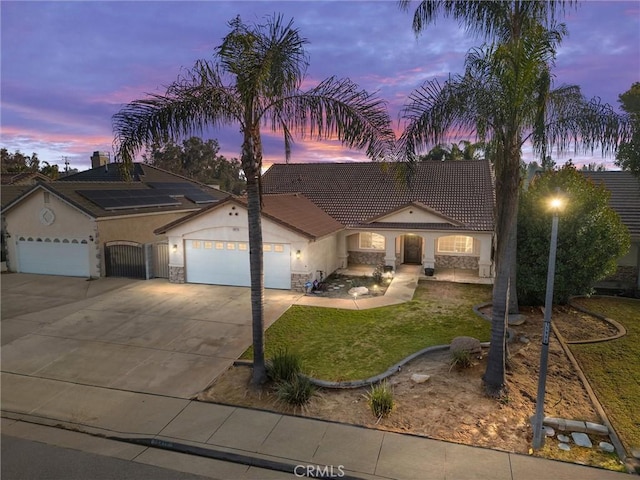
451	404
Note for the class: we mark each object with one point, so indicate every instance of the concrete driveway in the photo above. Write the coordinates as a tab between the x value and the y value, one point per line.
139	336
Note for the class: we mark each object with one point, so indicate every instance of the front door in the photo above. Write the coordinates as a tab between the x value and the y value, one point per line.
412	249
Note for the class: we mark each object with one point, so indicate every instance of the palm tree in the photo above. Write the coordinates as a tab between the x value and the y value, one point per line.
506	98
255	82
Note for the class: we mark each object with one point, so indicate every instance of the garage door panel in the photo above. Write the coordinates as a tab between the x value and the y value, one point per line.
54	258
227	263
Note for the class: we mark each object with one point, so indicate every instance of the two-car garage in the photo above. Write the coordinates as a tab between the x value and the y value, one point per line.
223	262
53	256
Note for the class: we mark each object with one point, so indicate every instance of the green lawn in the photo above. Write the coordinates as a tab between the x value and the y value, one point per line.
613	368
343	345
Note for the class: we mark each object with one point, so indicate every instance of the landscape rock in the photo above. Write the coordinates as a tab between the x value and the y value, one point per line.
465	344
635	453
524	339
564	446
517	319
581	439
420	378
606	447
358	291
548	431
564	438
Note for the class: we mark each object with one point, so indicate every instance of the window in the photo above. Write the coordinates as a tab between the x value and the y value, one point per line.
371	241
208	245
231	246
278	248
266	247
455	244
219	246
195	244
243	246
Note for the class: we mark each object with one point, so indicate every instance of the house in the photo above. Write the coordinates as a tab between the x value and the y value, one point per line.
94	223
326	216
625	200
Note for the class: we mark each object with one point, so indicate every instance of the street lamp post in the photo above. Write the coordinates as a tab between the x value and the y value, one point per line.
538	431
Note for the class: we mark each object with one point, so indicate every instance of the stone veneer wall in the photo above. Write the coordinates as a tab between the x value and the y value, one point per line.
176	274
298	280
452	261
366	258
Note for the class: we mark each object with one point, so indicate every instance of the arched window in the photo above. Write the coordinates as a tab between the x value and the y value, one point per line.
455	244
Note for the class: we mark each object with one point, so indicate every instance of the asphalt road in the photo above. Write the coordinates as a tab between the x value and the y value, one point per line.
28	460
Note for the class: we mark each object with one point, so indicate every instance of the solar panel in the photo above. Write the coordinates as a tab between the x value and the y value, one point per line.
183	189
200	197
123	199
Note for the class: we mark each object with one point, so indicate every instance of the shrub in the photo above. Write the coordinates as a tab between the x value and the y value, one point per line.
380	400
296	391
460	359
284	366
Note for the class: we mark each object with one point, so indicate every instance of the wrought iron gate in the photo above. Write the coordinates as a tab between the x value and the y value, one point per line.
125	259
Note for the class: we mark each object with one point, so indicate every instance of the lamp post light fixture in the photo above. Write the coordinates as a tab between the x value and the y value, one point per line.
556	205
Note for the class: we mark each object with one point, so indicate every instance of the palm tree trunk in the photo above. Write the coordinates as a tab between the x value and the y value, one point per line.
251	161
507	182
513	292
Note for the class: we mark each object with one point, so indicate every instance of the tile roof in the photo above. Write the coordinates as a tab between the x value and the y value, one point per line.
10	192
625	196
293	211
23	178
357	193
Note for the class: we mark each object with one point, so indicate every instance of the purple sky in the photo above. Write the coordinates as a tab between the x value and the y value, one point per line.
67	67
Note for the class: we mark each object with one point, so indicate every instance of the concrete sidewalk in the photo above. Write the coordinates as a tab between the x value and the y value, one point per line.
257	438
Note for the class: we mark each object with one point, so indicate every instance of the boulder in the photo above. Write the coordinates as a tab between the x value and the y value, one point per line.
465	344
564	439
420	378
359	291
564	446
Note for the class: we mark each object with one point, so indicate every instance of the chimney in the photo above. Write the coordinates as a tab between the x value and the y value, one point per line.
98	159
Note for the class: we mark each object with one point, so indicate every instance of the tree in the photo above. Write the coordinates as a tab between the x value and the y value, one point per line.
591	236
628	157
198	160
506	97
470	151
19	163
255	81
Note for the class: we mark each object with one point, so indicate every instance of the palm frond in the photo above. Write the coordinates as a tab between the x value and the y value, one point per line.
338	108
196	100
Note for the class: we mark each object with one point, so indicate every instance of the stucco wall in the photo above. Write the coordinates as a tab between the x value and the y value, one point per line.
48	217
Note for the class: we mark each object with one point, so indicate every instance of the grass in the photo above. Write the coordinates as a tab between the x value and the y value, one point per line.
344	345
613	368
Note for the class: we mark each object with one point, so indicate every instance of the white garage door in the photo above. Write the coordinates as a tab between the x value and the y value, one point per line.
57	257
227	263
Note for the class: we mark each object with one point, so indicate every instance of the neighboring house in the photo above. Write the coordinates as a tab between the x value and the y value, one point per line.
625	200
322	217
94	223
13	185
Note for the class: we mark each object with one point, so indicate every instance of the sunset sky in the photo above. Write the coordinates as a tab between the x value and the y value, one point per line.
67	67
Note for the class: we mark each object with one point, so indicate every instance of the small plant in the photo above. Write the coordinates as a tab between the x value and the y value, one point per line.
284	366
378	273
460	359
296	391
380	399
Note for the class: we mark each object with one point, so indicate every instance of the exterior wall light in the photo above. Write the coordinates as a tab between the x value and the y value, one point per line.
298	254
175	247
